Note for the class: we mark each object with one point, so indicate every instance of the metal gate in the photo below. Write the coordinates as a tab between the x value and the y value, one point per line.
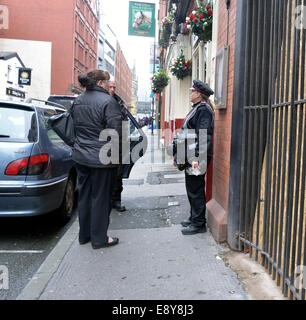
272	220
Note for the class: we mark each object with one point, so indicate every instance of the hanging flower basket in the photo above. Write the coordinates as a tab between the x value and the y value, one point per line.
159	81
200	21
181	67
166	31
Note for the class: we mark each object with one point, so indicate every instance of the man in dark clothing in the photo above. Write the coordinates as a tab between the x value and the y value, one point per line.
118	183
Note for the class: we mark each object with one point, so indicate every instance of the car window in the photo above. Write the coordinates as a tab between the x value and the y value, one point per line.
65	102
17	124
53	137
134	133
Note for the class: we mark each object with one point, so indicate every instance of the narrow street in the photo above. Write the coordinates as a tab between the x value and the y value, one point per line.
24	245
218	87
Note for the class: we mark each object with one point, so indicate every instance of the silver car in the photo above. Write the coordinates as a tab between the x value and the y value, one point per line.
37	174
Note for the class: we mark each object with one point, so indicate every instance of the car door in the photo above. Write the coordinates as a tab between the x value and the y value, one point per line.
138	144
60	153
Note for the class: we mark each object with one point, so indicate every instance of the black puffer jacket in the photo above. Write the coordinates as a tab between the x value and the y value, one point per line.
93	111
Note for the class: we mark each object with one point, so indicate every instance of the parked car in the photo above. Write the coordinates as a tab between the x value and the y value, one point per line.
37	174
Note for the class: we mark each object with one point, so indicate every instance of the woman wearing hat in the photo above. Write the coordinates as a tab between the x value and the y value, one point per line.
199	121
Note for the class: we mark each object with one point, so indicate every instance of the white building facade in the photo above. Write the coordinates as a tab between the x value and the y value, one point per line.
177	98
107	49
10	64
37	56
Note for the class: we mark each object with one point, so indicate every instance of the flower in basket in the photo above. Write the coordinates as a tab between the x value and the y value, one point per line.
159	81
181	67
200	21
166	31
167	20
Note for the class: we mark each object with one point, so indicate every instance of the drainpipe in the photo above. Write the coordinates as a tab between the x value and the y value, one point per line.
228	5
201	61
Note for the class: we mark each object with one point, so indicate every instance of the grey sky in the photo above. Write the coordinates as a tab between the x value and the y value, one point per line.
116	14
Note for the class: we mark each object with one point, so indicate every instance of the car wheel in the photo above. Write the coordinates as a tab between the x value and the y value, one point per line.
66	209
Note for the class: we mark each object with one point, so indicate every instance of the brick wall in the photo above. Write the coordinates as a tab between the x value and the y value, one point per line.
85	40
223	118
123	77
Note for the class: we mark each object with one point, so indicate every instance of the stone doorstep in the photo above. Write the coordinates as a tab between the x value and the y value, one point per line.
217	220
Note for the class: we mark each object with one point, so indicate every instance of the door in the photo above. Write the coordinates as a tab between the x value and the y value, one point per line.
60	154
138	144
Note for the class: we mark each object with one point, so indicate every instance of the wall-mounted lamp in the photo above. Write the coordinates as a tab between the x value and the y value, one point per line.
228	4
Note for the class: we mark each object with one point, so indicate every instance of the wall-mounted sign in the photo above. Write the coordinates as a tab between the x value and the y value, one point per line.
142	19
15	93
24	76
221	78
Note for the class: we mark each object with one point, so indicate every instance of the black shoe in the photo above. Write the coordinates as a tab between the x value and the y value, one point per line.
105	245
117	205
193	230
186	223
84	241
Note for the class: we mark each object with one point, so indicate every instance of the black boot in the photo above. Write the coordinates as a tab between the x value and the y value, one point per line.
193	230
186	223
83	241
117	205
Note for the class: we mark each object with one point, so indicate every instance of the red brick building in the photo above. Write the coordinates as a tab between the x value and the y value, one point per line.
123	77
218	206
71	26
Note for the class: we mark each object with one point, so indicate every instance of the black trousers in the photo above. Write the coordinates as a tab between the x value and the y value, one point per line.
195	187
118	185
95	203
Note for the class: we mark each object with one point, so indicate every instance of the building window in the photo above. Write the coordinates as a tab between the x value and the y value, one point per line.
110	68
76	22
9	74
109	50
82	29
196	64
86	58
100	64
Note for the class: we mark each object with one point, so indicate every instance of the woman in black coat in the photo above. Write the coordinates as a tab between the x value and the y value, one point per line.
198	127
98	121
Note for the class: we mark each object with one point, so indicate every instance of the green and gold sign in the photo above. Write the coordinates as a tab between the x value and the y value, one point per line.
142	19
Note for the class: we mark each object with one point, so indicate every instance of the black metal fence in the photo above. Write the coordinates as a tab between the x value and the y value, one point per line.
272	191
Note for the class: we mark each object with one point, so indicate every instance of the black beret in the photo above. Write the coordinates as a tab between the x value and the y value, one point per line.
202	87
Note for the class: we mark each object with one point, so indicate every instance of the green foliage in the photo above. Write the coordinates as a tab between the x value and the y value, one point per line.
181	67
200	21
165	35
159	81
166	30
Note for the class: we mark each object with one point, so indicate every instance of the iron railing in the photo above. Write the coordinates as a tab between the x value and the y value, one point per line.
272	221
